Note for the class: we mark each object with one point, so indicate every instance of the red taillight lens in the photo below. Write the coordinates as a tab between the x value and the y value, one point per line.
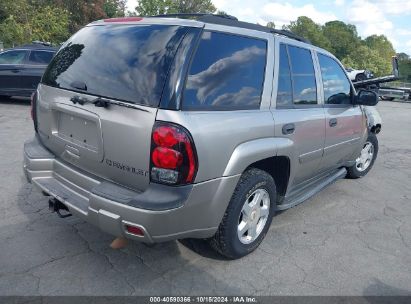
173	156
165	136
166	158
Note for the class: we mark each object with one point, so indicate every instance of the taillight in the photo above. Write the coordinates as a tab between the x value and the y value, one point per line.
173	156
33	109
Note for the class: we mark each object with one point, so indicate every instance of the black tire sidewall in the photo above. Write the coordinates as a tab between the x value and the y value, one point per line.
360	77
247	187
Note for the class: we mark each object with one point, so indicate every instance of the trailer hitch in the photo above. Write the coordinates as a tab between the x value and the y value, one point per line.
55	206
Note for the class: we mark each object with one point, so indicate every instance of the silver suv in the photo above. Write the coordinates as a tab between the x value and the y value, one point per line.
164	128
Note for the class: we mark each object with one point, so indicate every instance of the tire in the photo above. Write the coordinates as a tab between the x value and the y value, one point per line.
360	77
356	171
227	240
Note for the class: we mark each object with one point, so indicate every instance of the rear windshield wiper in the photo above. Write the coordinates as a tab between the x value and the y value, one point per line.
102	102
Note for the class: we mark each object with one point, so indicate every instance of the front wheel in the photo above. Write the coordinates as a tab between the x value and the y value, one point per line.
248	215
366	159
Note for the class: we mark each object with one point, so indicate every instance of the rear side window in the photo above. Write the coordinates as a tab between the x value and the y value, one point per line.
124	62
40	57
227	73
285	90
303	76
336	86
13	57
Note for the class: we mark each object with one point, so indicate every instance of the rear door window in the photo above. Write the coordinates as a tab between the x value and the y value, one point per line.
227	73
303	76
124	62
40	57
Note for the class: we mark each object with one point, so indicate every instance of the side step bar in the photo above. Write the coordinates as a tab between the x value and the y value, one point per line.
310	191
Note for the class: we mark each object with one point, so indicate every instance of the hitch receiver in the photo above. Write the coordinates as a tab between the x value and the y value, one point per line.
55	206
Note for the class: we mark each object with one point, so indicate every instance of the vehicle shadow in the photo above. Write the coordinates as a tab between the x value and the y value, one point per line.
72	257
379	292
24	101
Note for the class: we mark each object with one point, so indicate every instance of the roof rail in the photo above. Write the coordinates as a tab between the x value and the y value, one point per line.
233	21
188	15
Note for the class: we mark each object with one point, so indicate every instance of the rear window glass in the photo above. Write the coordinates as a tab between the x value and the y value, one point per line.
125	62
227	73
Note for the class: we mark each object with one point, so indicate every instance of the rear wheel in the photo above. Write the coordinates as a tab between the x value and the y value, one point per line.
248	215
360	77
366	159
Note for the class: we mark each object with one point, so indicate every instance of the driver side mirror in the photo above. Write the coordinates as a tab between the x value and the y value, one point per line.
366	98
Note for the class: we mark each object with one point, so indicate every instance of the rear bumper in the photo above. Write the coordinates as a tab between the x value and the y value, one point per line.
162	212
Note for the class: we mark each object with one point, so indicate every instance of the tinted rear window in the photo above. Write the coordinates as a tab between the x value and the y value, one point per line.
227	73
125	62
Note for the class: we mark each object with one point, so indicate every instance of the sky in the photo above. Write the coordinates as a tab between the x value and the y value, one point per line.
389	17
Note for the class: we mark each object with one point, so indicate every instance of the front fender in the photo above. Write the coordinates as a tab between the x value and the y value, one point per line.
252	151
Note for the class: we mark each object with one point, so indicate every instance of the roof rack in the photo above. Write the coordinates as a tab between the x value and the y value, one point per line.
198	15
233	21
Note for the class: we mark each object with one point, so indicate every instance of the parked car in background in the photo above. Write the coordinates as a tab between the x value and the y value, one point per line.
21	68
359	75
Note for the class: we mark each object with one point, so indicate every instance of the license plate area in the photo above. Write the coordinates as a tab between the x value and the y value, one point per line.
78	131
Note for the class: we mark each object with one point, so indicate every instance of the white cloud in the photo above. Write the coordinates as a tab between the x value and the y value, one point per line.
131	5
369	18
339	2
284	13
404	32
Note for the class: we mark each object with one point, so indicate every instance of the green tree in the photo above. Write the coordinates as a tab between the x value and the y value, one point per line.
365	58
404	66
24	21
50	24
193	6
157	7
308	29
153	7
343	37
271	25
114	8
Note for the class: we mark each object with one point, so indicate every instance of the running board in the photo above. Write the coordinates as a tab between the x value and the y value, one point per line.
309	191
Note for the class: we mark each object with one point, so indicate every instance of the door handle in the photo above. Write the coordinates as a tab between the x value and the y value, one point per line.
333	122
288	128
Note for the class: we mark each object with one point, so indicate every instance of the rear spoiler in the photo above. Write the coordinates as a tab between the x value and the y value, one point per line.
383	79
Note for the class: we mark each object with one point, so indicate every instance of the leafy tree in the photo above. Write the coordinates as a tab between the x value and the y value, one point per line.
381	44
271	25
193	6
156	7
50	24
81	12
26	21
114	8
307	28
343	37
404	66
363	57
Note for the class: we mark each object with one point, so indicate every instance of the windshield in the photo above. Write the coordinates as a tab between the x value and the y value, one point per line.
124	62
